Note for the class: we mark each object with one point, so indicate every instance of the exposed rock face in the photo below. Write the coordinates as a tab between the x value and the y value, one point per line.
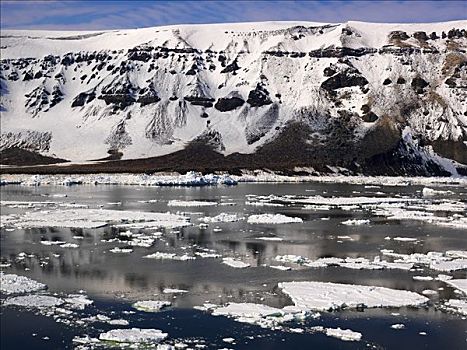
200	101
230	102
232	67
398	35
83	98
258	97
147	96
118	95
263	95
419	84
347	78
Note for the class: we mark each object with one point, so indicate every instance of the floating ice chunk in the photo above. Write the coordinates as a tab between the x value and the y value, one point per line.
228	340
422	278
460	284
435	260
398	326
118	322
133	335
94	218
249	310
324	296
272	219
69	245
151	305
280	267
34	301
446	266
274	239
443	278
316	207
429	292
354	222
343	201
290	258
14	284
263	204
208	255
235	263
404	239
222	217
178	203
169	256
52	242
456	254
78	301
343	334
174	291
262	315
457	306
429	192
118	250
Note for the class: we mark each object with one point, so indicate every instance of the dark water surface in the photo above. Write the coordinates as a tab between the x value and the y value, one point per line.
114	281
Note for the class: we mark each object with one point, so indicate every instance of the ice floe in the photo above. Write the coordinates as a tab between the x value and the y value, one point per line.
14	284
422	278
169	256
353	222
434	260
133	335
456	305
272	219
259	314
179	203
235	263
350	263
34	301
151	305
118	250
222	217
189	179
460	284
323	296
174	291
94	218
398	326
430	192
343	334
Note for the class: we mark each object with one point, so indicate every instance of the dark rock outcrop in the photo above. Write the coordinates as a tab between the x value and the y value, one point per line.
225	104
83	98
259	97
232	67
419	85
147	96
370	117
120	95
398	35
200	101
347	78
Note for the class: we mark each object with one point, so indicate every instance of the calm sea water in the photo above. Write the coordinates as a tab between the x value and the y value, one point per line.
114	281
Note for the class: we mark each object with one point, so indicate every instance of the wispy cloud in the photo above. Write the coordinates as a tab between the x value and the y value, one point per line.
94	15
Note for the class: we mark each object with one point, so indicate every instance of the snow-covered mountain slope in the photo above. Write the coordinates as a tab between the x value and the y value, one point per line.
352	94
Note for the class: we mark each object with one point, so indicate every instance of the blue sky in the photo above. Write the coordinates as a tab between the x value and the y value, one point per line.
93	15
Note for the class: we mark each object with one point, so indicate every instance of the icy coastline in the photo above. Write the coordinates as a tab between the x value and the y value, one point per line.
197	179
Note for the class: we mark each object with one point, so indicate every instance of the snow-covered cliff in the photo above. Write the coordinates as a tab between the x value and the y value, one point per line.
355	95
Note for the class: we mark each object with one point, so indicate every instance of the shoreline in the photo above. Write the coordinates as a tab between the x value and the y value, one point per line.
197	179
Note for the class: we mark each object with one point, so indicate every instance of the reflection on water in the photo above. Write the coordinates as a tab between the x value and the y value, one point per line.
93	268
